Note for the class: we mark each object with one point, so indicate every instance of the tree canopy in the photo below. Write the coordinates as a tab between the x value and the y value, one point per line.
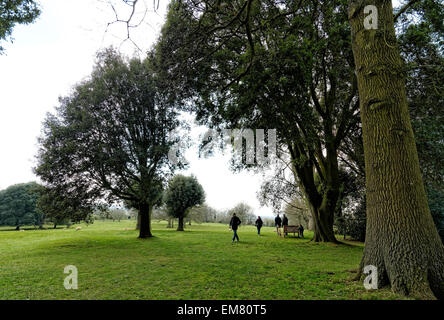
182	194
13	12
244	212
110	138
58	207
18	205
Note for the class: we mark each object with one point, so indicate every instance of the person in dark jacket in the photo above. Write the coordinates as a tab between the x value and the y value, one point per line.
278	224
259	224
234	223
301	230
284	223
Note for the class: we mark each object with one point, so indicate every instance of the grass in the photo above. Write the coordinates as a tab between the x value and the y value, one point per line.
199	263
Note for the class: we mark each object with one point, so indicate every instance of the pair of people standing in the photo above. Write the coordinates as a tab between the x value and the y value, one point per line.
279	223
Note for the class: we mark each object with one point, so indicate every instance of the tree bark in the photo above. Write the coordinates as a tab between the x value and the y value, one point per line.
401	238
323	219
145	221
322	203
180	226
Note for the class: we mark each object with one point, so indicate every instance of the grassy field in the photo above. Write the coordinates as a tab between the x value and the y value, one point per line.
200	263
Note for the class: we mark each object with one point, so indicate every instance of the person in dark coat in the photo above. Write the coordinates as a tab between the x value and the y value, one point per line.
278	224
234	223
284	223
259	224
301	230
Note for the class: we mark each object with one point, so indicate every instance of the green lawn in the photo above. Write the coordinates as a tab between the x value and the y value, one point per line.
200	263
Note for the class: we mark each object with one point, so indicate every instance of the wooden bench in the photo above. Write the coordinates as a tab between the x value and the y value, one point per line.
291	229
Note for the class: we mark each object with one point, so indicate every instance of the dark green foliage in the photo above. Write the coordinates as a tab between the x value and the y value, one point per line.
353	223
111	137
13	12
18	205
350	215
59	208
155	190
182	194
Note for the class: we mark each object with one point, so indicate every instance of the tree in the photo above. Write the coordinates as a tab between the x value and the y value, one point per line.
350	218
18	205
156	193
118	214
182	194
14	12
103	213
270	64
203	213
111	137
160	213
298	212
197	214
244	212
59	207
401	238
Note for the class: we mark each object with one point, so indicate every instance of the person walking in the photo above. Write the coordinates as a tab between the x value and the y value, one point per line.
259	224
301	230
278	224
234	223
285	224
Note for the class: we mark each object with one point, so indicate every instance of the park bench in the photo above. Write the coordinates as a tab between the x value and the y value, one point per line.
291	229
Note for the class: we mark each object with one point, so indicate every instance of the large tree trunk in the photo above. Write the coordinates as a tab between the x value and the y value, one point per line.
401	238
145	221
322	203
180	226
323	219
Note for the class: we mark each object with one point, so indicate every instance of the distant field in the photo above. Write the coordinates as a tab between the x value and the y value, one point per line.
200	263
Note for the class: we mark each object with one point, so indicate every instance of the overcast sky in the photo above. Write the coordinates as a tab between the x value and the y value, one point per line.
48	57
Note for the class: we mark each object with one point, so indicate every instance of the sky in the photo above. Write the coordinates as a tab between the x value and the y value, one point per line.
49	57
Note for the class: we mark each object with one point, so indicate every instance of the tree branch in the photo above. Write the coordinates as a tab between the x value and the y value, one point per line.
403	9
